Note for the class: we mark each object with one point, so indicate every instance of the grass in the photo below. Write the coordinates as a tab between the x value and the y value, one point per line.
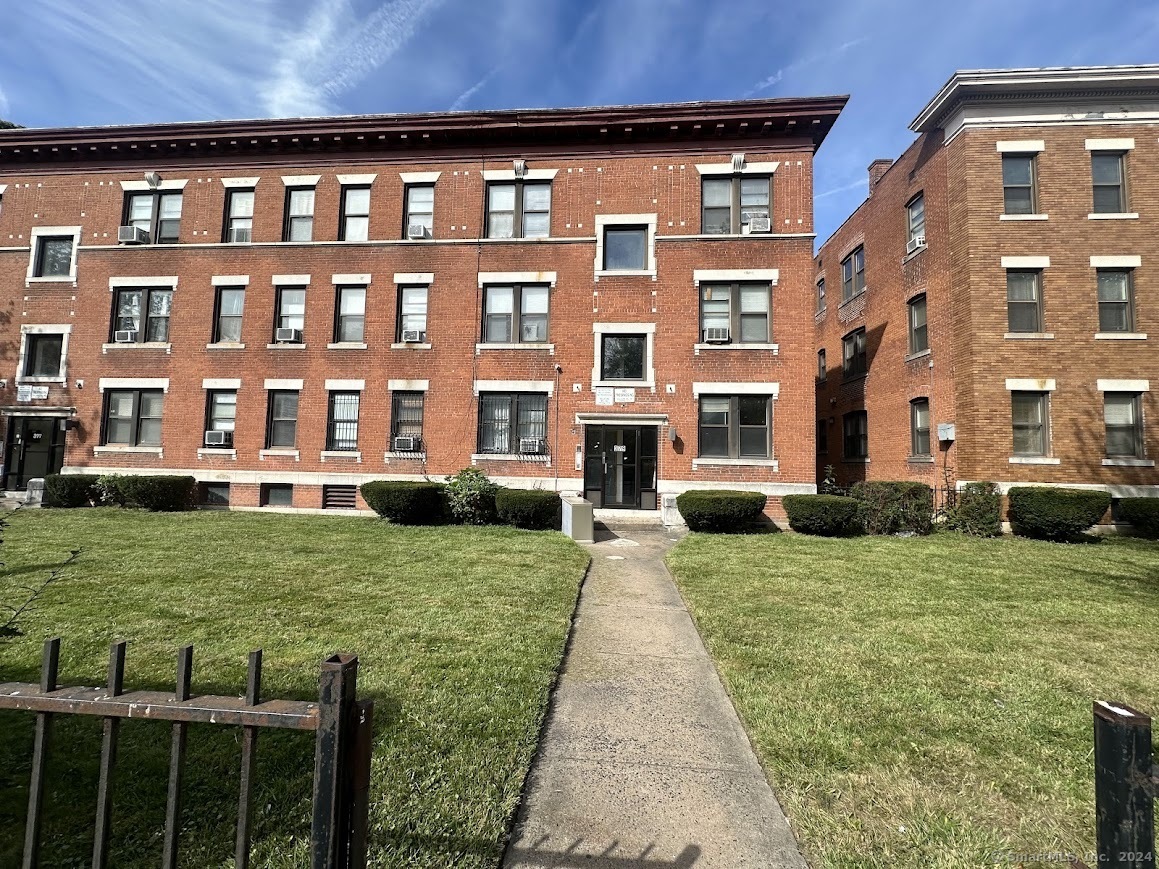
459	632
927	702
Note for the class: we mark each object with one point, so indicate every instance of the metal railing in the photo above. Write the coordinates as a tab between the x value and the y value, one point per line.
342	725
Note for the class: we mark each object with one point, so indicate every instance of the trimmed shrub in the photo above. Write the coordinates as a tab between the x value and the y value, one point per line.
108	489
1047	513
534	509
1142	513
163	493
406	502
71	490
891	508
471	497
720	511
978	511
824	515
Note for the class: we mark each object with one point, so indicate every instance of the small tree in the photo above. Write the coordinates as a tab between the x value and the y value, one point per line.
471	497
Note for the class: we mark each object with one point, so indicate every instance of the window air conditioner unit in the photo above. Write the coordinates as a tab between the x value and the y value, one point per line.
914	243
716	336
760	224
218	438
132	235
125	336
417	230
531	332
412	336
240	234
406	445
531	446
288	336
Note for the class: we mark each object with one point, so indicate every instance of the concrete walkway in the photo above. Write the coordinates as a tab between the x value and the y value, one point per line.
644	764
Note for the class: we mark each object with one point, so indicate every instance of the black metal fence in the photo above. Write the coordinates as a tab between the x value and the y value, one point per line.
341	722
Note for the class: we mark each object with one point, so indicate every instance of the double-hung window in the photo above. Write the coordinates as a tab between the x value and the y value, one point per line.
919	415
1030	419
1024	301
350	315
1116	300
729	205
853	274
290	315
508	422
282	423
1109	181
227	323
220	416
519	209
342	422
158	214
821	296
1122	412
822	372
354	222
734	426
916	223
412	314
853	357
419	221
625	248
43	355
299	225
406	415
1018	187
822	437
919	339
54	256
133	417
735	312
515	314
142	315
239	215
855	435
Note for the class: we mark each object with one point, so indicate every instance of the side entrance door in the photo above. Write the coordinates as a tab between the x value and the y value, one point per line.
620	466
35	448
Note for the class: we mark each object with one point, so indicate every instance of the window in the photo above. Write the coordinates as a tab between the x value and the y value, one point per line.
215	494
919	340
1108	177
735	426
354	222
853	361
420	211
822	437
134	305
133	417
158	214
276	494
729	204
919	417
350	315
220	413
735	312
1030	422
43	354
406	415
1116	300
519	210
853	274
855	435
54	254
227	323
622	357
1123	414
625	248
1024	301
239	216
1018	193
821	296
342	422
412	312
515	314
299	214
282	425
291	311
916	221
822	373
505	419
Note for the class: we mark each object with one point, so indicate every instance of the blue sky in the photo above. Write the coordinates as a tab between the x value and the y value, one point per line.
77	62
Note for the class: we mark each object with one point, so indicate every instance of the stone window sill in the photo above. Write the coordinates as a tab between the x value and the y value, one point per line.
713	461
626	273
920	460
510	457
279	453
209	453
410	346
625	384
852	298
921	354
913	253
1034	460
22	380
112	449
530	345
1029	336
345	345
1127	462
61	279
1124	216
864	461
1022	217
1120	336
853	378
133	345
286	346
341	455
739	345
225	345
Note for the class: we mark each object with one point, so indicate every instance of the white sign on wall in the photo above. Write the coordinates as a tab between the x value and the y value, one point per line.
604	396
625	396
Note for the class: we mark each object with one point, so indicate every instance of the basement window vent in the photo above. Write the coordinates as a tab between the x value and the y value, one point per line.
338	497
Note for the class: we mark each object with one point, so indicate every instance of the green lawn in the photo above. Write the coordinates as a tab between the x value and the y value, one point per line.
459	632
927	702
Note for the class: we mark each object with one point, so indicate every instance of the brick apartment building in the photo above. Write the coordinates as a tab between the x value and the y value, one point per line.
991	311
614	301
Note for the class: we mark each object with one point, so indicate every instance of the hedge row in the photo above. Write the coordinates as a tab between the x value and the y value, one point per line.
978	511
824	515
1143	514
721	511
1049	513
159	493
468	498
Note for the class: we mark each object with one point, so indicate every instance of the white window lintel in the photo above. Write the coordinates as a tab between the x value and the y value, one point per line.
352	180
1021	146
1116	262
1124	385
419	177
241	182
547	386
427	278
301	180
221	383
230	280
517	278
106	383
700	276
290	280
773	389
408	385
143	281
345	385
1025	262
1030	384
281	383
362	279
529	175
1110	144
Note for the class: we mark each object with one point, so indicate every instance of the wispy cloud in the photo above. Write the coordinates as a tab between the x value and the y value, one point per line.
833	191
334	51
805	62
462	99
5	106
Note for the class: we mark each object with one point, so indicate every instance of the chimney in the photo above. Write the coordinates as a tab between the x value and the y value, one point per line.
876	169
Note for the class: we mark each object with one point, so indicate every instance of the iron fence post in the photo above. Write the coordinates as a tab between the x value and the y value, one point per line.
1124	803
48	674
336	692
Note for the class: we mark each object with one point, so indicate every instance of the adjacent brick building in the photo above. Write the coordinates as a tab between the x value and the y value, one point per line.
991	311
614	301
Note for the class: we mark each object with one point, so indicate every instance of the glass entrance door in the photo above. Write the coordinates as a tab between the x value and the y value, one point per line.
620	466
35	449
